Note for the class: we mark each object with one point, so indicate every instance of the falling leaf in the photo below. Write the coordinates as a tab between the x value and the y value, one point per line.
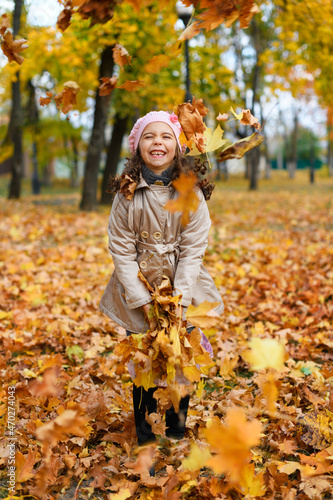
11	48
121	55
131	85
265	353
239	148
213	141
197	458
67	97
69	422
64	18
49	385
156	63
107	85
187	200
232	441
190	117
4	24
222	117
44	101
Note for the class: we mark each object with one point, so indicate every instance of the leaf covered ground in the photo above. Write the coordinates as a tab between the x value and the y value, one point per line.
261	426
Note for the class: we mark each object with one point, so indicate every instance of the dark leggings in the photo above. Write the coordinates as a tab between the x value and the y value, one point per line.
144	401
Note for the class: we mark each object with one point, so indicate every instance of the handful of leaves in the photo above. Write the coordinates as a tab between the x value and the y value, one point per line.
167	356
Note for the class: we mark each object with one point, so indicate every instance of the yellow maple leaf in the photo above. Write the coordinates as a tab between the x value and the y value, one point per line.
202	316
250	484
213	141
197	458
265	353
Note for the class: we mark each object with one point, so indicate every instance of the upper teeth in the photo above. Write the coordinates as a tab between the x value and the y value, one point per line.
157	153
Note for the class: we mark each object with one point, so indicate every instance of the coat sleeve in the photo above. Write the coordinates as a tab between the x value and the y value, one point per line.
123	250
193	244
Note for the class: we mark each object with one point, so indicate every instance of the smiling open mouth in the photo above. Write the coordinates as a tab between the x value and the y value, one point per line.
157	153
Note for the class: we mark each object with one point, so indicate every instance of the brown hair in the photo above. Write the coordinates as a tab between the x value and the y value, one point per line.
180	165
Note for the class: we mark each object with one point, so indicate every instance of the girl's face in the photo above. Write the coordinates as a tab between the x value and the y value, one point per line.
157	146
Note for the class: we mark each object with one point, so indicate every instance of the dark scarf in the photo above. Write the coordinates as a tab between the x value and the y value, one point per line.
151	178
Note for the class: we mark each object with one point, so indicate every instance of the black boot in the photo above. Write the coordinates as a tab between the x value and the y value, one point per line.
175	422
143	401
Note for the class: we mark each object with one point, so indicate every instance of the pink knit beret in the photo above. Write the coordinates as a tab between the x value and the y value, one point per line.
154	116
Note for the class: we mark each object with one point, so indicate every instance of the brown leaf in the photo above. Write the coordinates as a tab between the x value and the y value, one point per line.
44	101
121	55
190	117
4	24
249	119
12	48
157	423
239	148
64	18
107	85
66	99
127	186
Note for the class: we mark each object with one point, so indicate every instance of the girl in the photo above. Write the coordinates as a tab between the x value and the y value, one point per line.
144	236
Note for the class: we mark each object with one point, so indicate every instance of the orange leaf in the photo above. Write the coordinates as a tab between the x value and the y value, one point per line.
187	200
108	85
24	465
12	48
4	24
233	441
156	63
67	97
44	101
121	55
131	85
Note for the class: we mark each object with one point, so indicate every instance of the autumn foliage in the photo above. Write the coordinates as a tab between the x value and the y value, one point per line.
259	426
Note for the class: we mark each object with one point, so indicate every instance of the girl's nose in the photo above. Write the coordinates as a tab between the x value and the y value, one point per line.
158	140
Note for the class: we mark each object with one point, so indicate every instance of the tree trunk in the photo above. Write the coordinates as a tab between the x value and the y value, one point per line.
32	119
114	150
75	167
254	156
292	164
330	141
96	145
16	119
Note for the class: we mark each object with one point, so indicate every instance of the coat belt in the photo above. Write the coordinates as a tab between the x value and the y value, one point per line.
160	248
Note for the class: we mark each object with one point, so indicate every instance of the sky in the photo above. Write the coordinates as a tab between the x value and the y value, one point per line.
41	12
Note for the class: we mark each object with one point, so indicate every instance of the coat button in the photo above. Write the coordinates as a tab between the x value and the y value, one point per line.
144	234
157	236
143	264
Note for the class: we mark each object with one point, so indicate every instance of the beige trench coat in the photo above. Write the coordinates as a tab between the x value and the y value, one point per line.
144	235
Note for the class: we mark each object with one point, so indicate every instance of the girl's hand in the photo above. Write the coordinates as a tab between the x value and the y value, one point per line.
152	323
